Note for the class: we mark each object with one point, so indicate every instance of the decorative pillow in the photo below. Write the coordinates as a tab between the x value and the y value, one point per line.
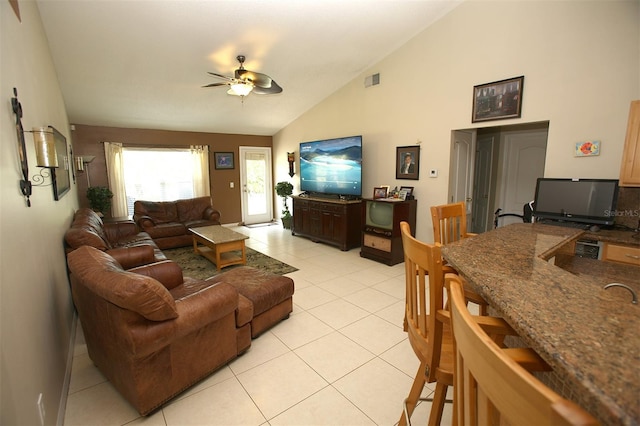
103	275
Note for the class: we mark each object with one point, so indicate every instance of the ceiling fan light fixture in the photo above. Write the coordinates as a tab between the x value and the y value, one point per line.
240	89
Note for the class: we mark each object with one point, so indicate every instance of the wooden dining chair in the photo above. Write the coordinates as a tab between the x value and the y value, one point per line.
449	222
491	387
427	325
426	322
449	225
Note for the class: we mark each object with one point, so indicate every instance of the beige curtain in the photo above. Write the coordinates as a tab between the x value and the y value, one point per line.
200	155
115	174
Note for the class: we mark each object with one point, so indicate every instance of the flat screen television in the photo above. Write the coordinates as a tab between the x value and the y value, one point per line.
588	201
332	166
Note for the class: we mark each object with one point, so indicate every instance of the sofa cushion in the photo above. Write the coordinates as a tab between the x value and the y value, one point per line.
163	230
264	289
105	277
193	208
197	223
159	211
87	229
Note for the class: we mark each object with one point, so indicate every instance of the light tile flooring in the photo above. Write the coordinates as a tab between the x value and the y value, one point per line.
341	358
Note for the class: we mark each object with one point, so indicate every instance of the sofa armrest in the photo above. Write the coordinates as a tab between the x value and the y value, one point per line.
211	214
144	222
194	312
167	272
116	231
130	257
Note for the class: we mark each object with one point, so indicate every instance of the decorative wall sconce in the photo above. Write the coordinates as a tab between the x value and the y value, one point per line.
46	156
291	159
45	147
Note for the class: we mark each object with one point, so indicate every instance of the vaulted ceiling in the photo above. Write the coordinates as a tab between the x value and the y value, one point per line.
142	64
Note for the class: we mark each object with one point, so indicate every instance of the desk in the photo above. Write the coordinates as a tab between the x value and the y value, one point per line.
589	336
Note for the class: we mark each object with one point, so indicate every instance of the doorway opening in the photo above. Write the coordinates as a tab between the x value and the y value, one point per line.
496	168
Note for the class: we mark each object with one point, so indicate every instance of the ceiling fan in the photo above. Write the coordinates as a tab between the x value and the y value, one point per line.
244	82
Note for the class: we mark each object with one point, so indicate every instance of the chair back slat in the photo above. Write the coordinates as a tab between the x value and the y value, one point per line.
449	222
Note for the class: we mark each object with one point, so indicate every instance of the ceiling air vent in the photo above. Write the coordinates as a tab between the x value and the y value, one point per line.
372	80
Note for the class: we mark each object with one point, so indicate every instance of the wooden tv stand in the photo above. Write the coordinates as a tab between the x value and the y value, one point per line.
332	221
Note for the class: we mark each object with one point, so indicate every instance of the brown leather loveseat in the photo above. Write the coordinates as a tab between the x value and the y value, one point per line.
168	222
122	240
151	331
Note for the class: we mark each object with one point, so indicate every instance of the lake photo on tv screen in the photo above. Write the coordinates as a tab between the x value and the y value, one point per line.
332	166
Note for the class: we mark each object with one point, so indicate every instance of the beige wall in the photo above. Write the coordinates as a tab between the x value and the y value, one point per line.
581	66
36	313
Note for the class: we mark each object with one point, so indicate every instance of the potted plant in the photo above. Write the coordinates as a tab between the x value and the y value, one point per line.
285	189
99	199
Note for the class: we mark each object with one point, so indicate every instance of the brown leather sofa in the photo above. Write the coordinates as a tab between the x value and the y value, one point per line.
122	240
168	222
151	331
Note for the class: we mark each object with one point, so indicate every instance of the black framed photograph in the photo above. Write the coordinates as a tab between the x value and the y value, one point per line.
498	100
408	189
379	192
60	176
408	162
224	160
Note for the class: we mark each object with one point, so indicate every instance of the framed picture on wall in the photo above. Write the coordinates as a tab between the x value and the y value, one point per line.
60	175
498	100
408	162
224	160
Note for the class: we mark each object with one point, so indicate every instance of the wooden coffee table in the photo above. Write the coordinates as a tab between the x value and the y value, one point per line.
218	243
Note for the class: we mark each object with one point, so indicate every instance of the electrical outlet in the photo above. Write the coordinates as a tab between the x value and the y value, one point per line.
41	411
231	185
433	173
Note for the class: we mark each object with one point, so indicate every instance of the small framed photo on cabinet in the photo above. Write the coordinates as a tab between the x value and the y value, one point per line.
379	192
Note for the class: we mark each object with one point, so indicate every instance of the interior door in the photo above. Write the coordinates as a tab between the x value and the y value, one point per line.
462	169
256	184
482	191
522	164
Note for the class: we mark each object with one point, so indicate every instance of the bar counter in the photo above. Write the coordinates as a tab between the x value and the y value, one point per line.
588	335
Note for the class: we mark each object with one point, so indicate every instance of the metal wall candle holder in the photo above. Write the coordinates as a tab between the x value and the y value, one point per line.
46	156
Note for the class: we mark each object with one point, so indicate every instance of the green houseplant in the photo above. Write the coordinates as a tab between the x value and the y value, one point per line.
285	189
99	198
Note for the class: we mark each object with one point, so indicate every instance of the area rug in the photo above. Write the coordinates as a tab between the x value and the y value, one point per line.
196	266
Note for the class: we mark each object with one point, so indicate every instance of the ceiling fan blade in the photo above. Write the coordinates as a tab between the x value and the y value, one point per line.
258	79
217	84
221	76
267	90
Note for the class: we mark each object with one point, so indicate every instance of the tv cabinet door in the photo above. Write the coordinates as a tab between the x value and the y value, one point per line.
332	222
301	217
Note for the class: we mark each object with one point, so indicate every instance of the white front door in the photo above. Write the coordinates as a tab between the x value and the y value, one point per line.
256	184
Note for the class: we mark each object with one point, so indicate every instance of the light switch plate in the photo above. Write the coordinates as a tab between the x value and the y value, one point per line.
433	173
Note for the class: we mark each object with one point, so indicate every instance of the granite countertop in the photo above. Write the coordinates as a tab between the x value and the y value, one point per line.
590	336
614	236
